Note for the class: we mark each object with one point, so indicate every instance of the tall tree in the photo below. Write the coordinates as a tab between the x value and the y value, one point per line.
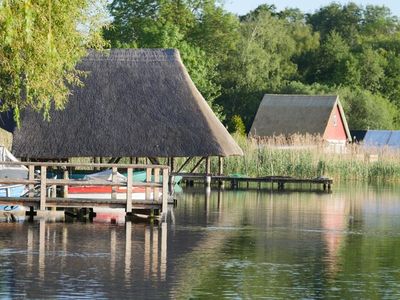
40	44
261	63
200	29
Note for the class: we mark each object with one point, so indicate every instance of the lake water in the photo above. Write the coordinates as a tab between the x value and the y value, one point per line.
233	244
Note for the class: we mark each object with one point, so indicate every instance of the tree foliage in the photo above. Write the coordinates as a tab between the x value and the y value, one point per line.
40	44
202	31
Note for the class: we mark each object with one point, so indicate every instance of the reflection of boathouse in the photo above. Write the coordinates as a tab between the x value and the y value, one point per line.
134	103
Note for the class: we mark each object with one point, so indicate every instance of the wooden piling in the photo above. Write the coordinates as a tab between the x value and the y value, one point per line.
65	188
31	176
164	206
114	180
148	179
43	175
129	191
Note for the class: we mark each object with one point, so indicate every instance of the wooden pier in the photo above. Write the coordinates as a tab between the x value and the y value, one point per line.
237	182
45	193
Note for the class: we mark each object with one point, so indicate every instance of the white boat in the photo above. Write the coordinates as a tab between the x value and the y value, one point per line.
6	171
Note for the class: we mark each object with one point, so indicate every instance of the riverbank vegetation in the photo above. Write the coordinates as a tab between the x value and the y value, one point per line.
310	157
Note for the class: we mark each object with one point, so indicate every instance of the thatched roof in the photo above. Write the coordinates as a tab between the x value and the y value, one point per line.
135	103
295	114
5	138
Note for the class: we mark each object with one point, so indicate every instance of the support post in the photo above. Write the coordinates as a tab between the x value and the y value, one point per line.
65	188
114	180
129	191
156	192
220	165
43	181
148	179
164	207
221	170
31	176
208	165
172	164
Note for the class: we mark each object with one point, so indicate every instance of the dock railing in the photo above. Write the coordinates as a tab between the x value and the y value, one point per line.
154	183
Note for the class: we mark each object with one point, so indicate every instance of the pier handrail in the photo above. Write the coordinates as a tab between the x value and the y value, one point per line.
153	180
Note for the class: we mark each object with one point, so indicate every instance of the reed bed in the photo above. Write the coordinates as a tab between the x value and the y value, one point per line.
310	157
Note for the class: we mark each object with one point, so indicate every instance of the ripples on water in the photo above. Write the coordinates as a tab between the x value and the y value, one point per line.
230	245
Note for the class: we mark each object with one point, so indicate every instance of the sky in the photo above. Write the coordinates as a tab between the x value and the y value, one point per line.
241	7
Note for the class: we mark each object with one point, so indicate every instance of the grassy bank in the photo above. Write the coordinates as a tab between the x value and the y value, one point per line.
308	157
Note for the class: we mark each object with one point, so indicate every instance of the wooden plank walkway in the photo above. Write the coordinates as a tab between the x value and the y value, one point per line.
237	182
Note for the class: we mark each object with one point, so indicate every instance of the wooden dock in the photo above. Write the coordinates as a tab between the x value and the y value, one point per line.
45	194
238	182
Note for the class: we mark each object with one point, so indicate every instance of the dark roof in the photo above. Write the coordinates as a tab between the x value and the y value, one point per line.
381	138
135	103
295	114
358	135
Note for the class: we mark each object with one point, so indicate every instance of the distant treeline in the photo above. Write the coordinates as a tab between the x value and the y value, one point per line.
349	50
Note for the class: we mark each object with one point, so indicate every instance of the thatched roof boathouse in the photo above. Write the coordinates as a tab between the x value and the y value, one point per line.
134	103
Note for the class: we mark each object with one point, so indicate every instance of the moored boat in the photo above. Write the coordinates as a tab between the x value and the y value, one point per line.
11	190
105	191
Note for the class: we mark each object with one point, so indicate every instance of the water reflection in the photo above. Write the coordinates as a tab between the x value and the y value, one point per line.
220	245
80	260
292	245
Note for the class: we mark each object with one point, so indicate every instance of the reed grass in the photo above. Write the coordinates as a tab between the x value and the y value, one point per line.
310	157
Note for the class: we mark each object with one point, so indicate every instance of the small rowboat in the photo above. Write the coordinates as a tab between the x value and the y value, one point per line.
105	191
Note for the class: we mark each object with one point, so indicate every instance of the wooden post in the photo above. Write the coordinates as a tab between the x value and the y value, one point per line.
129	191
31	177
43	174
221	170
164	207
172	164
208	165
157	180
221	165
148	179
114	180
65	188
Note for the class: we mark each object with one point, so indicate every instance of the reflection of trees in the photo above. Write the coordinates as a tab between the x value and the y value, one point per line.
296	244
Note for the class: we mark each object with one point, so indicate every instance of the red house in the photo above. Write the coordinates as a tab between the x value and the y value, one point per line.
302	114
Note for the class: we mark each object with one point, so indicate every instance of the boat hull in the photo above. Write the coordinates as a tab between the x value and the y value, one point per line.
105	192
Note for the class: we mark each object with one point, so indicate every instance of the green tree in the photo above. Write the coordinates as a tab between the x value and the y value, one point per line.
40	44
345	20
260	63
202	31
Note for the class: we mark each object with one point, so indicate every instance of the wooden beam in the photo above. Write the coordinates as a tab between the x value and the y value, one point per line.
154	160
184	164
197	165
